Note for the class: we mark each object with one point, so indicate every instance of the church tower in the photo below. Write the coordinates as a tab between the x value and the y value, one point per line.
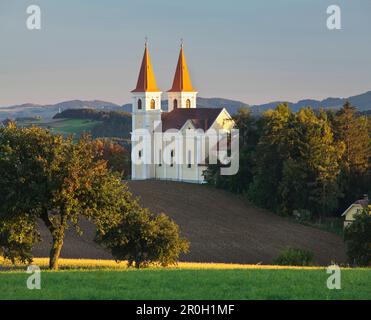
182	94
146	112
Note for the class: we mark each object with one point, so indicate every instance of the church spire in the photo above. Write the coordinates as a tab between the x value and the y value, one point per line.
146	80
182	81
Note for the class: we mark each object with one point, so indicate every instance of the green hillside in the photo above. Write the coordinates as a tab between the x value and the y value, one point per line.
64	126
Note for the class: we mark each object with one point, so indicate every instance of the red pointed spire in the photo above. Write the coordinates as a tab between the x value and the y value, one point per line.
182	81
146	80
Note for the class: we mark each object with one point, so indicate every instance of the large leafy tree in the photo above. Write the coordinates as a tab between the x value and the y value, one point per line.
311	169
48	177
297	162
272	149
354	132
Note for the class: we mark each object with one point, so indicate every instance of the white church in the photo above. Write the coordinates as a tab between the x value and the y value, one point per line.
171	158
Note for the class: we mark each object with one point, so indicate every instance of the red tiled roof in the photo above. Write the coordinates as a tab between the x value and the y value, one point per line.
202	118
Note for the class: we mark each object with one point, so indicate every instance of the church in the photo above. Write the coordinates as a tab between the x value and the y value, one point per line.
172	144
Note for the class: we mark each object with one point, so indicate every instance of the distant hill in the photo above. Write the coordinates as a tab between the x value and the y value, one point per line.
231	105
361	101
48	111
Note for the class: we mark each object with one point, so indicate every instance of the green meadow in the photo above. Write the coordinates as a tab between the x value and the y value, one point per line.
187	284
64	126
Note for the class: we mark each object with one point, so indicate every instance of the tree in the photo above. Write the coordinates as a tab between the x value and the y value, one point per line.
142	238
248	133
47	177
311	170
271	151
117	157
354	132
358	238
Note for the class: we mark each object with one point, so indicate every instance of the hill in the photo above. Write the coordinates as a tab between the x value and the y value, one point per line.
361	101
231	105
109	123
49	111
220	226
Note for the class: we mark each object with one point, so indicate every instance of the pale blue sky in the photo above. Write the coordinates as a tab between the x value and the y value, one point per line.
255	51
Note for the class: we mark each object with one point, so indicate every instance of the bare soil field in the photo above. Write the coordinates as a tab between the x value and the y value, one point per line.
220	226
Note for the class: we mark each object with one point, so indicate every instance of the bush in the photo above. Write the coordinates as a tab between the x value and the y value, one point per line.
302	215
142	238
294	257
358	238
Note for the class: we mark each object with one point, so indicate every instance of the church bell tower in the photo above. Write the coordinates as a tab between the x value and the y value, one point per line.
182	94
146	112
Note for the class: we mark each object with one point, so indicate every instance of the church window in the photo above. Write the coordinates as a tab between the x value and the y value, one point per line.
175	103
140	104
140	154
188	103
159	158
189	158
172	158
153	104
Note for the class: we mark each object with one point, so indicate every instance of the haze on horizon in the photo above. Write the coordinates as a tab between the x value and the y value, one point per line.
253	51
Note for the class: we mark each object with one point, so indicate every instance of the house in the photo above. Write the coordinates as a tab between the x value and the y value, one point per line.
181	158
354	208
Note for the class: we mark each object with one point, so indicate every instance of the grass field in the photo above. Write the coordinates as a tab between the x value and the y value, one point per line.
107	280
64	126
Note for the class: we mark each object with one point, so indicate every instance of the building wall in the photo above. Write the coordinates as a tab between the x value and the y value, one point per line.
223	121
181	97
349	216
144	118
179	172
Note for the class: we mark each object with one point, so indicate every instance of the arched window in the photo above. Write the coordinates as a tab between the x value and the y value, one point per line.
153	104
172	158
188	103
140	104
175	103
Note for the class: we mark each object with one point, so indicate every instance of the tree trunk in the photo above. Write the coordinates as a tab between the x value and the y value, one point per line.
57	233
55	253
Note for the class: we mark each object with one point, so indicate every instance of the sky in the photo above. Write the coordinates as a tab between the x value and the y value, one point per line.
255	51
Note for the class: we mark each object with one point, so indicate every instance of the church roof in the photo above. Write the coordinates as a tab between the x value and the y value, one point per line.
202	118
182	81
146	80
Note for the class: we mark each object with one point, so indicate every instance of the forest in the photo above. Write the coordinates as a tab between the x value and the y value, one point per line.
314	163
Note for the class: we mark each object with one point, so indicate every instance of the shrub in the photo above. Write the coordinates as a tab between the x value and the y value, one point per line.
294	257
358	238
142	238
302	215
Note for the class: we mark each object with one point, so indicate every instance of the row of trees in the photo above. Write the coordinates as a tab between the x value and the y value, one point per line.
308	160
48	178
